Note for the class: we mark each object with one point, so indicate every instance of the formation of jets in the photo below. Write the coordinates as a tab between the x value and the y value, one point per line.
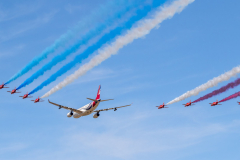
75	113
91	107
191	104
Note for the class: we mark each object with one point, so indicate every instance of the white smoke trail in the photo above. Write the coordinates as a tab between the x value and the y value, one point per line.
143	29
211	83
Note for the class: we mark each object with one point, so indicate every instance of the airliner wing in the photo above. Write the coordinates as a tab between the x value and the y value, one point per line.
115	108
68	108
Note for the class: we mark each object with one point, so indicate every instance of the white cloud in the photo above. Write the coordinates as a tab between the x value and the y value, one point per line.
23	27
12	148
127	138
16	11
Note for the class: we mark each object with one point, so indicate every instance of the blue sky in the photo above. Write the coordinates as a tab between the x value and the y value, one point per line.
191	48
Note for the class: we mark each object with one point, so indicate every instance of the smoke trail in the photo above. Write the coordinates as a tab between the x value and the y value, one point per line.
106	38
219	91
84	40
231	97
224	77
101	13
143	29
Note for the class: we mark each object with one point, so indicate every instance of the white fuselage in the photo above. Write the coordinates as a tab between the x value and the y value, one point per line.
86	110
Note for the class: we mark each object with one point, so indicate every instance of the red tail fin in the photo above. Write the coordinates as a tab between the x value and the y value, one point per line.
98	93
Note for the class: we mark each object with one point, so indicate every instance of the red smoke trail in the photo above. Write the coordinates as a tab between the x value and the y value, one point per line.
231	97
221	90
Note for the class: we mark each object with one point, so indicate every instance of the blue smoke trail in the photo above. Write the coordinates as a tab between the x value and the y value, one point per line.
108	37
91	34
103	12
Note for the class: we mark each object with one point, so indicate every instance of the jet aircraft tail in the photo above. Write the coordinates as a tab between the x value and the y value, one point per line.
98	93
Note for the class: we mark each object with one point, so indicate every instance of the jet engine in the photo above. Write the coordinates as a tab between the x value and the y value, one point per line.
96	115
70	114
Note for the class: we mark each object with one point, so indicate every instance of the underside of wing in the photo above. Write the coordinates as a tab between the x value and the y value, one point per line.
115	108
68	108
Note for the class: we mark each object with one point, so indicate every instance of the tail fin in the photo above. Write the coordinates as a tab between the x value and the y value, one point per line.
98	93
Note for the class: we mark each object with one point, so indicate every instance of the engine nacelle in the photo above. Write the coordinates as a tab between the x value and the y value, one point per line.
96	115
69	114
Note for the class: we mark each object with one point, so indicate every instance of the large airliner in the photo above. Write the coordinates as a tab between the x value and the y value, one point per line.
89	108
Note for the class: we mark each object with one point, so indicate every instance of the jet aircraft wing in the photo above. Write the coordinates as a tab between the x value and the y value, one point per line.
115	108
68	108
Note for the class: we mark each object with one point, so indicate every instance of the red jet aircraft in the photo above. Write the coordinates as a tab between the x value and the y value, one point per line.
26	96
162	106
188	104
37	100
2	86
14	91
239	103
215	103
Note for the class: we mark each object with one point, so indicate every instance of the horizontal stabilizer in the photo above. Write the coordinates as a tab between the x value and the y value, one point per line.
100	100
92	99
106	100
